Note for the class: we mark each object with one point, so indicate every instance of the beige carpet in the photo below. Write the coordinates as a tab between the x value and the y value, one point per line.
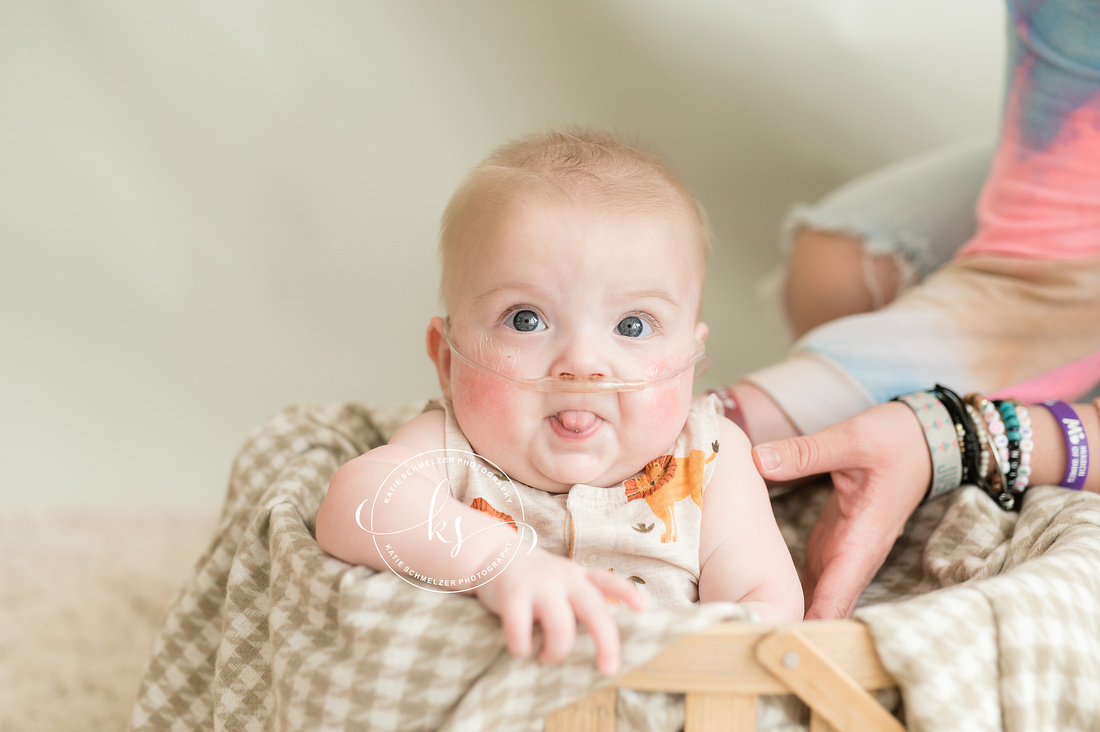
81	595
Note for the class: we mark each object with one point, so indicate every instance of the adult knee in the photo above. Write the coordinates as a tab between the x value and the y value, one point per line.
827	277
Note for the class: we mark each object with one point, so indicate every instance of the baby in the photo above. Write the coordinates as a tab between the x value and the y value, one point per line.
573	269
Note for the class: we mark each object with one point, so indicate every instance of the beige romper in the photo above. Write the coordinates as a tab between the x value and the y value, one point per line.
645	528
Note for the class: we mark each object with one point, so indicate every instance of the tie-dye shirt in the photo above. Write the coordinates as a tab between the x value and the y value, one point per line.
1017	312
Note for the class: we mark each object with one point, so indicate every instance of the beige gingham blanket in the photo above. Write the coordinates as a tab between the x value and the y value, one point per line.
270	633
1017	647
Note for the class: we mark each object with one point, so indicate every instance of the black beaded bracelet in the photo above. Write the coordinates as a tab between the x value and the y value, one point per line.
956	407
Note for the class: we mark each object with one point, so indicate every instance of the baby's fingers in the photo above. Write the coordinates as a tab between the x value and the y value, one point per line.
517	623
617	588
559	629
591	609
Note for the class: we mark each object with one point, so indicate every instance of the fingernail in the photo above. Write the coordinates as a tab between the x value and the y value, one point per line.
769	457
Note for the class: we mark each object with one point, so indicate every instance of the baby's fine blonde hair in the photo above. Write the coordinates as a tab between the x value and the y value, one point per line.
593	166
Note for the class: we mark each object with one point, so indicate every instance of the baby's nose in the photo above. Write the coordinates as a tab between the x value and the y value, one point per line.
580	359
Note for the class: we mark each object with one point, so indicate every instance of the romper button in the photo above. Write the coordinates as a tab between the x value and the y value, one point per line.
591	558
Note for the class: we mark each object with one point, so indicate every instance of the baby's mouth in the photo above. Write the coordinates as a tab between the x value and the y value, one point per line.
577	422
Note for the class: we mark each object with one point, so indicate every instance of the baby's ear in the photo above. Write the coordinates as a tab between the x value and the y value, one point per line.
701	331
440	353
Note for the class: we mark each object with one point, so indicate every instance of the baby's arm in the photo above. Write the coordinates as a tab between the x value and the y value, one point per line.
356	490
535	587
742	555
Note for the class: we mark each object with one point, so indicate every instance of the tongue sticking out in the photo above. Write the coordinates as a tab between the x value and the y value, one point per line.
576	421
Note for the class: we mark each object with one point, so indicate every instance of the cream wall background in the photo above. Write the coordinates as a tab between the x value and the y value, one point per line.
210	210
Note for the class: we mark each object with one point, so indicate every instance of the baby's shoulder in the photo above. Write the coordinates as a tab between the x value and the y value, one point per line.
732	437
735	459
423	432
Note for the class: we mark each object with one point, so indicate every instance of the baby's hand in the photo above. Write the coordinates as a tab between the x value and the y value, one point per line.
548	589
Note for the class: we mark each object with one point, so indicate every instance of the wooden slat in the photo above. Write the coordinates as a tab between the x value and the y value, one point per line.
822	684
820	724
707	712
723	659
595	713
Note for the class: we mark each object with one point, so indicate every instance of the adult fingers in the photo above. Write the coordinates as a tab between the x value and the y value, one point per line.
805	455
836	591
846	565
818	546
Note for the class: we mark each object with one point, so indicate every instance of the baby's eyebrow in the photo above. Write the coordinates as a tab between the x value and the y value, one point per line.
651	293
519	285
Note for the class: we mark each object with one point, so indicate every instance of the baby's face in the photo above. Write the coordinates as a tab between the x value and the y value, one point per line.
560	289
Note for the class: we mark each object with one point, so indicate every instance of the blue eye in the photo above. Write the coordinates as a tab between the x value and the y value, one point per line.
634	327
526	321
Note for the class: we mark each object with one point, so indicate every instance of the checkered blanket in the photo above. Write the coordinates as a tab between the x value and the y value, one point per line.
1003	631
270	633
987	620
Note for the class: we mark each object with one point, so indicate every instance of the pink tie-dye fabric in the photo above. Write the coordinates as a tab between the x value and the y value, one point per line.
1018	310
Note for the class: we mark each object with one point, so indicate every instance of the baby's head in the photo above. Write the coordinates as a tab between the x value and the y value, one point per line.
583	167
572	258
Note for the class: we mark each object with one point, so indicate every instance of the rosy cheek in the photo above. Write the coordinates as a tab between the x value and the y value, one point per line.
477	390
489	414
666	404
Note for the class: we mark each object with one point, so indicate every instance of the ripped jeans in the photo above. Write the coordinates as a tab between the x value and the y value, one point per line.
920	211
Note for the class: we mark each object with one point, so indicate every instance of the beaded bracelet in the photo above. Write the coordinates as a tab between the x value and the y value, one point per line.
993	484
942	439
964	447
1023	475
991	467
1077	444
1012	431
995	429
985	453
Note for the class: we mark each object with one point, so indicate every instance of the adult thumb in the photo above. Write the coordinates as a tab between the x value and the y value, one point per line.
798	457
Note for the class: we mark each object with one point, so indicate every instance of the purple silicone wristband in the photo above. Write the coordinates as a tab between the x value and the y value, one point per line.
1077	445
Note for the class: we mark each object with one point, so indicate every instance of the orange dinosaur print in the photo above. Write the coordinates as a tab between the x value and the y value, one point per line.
667	480
480	504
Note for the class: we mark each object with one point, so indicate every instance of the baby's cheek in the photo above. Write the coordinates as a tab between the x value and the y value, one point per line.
670	404
483	398
667	403
488	413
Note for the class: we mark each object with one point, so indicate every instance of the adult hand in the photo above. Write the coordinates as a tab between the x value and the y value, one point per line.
881	469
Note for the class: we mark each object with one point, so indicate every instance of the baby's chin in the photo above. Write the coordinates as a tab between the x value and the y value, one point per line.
566	472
